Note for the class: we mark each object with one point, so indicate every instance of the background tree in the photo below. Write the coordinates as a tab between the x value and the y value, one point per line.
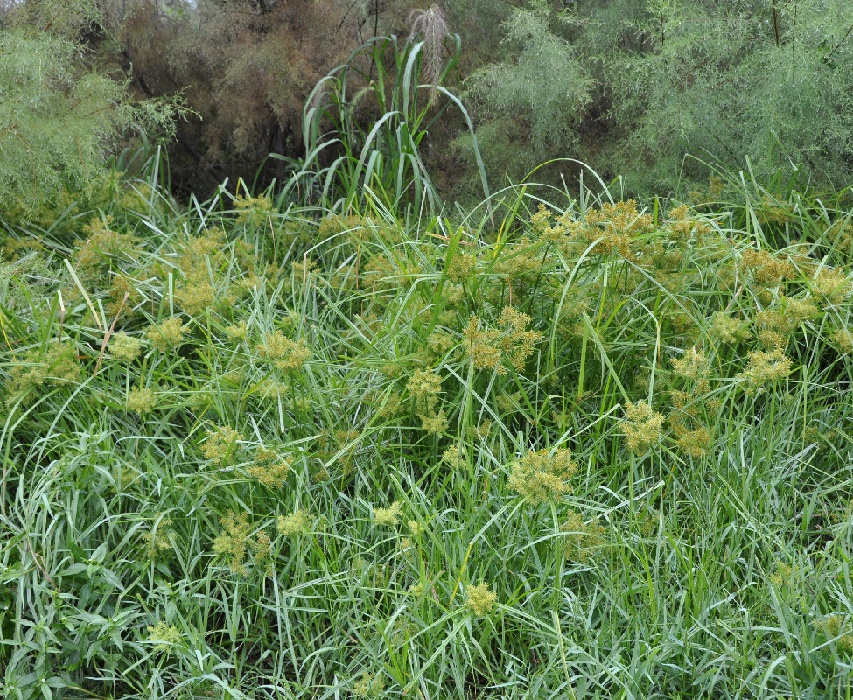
631	86
59	114
247	67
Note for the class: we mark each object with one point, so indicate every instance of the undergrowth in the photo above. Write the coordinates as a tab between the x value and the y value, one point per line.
578	448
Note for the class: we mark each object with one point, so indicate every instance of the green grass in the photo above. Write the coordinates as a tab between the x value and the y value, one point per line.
142	554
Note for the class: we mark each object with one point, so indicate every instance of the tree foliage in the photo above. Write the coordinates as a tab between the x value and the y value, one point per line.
247	66
633	85
59	117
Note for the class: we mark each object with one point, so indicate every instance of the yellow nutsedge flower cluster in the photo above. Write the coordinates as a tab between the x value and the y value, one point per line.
284	353
727	329
453	458
461	267
231	543
611	227
368	686
479	599
581	539
765	268
694	442
424	386
120	286
831	286
764	368
832	627
542	476
435	423
253	210
141	400
124	347
299	522
777	324
682	224
219	443
487	347
237	331
101	244
157	539
59	366
167	636
169	333
389	516
783	575
269	469
842	339
642	426
692	365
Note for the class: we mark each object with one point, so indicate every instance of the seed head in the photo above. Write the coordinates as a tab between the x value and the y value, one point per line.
169	333
141	400
167	636
389	516
298	523
542	476
479	599
124	348
284	353
219	443
232	541
642	426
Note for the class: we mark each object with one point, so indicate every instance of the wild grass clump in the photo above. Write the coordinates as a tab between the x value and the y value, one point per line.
582	449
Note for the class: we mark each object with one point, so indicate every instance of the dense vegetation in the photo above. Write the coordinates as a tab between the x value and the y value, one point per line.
627	86
388	427
585	451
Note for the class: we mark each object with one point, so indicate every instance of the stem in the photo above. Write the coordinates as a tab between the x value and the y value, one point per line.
776	24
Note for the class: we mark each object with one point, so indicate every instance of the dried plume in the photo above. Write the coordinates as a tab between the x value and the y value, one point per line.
431	24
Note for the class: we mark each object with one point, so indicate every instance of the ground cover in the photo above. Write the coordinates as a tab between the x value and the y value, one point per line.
568	446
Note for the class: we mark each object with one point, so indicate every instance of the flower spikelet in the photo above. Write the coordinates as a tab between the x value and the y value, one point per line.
389	516
124	347
692	365
764	368
252	210
424	387
232	541
542	476
368	686
581	539
479	599
695	442
58	366
831	286
141	400
297	523
481	346
516	342
453	458
285	353
727	329
842	339
194	297
219	443
157	539
765	268
461	267
642	426
169	333
435	423
486	347
167	636
269	469
832	627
